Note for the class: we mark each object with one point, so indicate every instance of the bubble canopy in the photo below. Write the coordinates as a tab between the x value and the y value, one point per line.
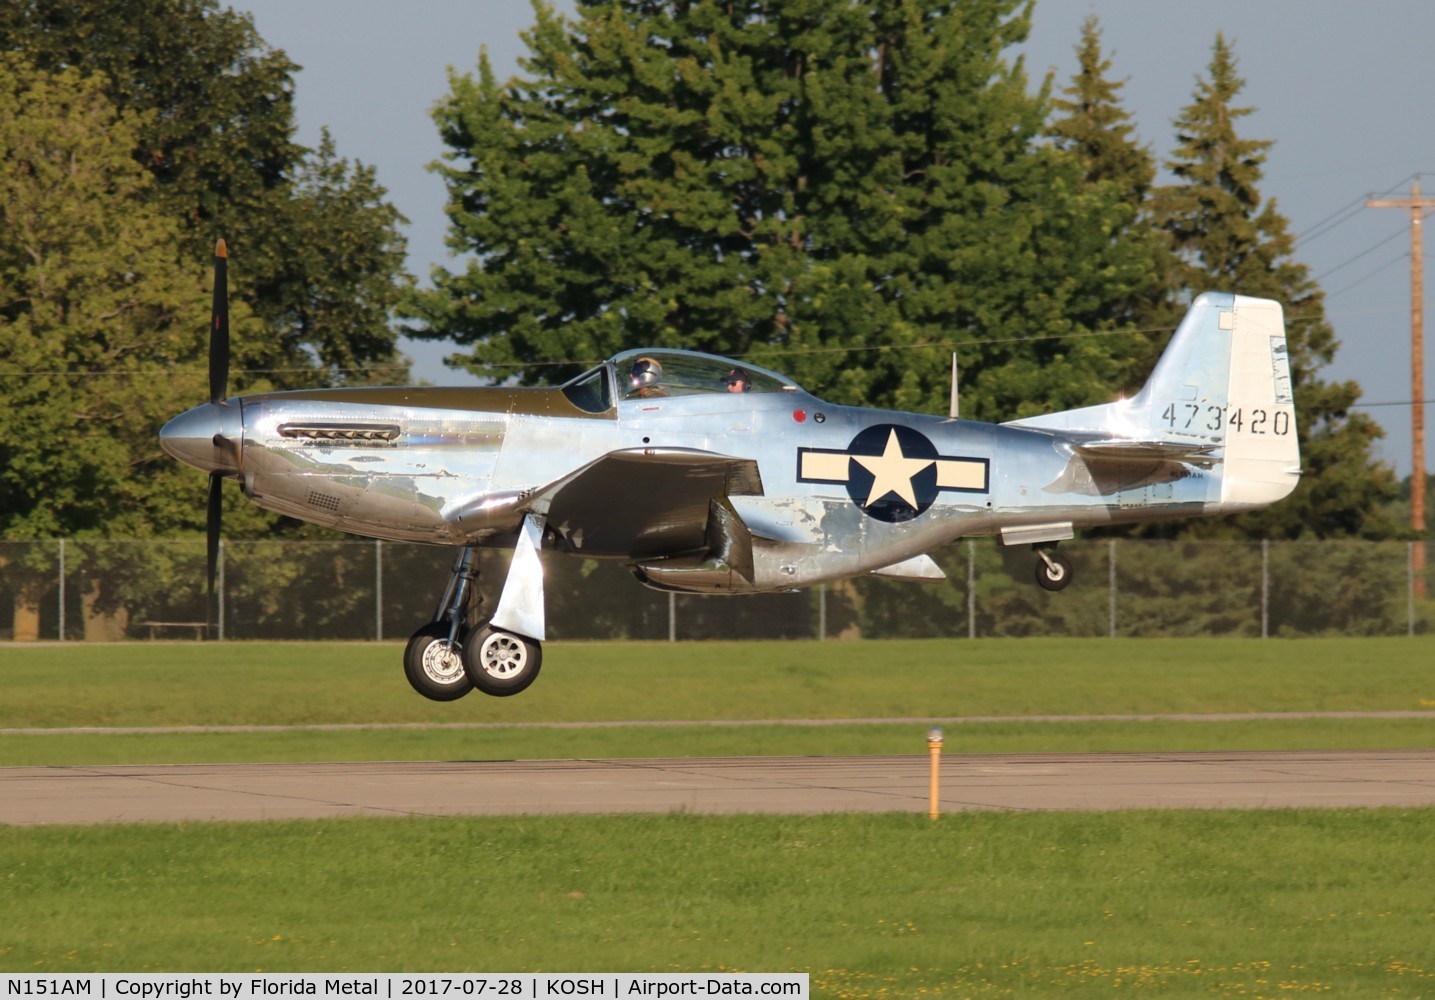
670	373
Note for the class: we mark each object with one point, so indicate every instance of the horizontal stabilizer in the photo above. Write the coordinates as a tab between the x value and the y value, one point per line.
1117	449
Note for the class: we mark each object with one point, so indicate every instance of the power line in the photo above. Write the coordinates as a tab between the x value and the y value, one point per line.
579	362
1367	277
947	344
1369	250
1350	210
1347	211
151	372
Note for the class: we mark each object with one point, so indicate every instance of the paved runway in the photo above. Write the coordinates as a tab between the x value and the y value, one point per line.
188	792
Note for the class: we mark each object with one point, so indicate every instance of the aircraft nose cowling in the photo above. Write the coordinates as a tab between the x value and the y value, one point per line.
208	437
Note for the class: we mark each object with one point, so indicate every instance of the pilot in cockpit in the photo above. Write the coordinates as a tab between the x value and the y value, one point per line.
738	380
643	379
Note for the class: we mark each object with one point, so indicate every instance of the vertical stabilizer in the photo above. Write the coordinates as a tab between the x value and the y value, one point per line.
1220	395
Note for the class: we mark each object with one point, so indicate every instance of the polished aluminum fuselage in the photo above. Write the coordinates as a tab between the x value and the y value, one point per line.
452	466
708	475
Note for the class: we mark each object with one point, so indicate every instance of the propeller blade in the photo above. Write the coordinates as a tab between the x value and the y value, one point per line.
219	327
218	391
212	526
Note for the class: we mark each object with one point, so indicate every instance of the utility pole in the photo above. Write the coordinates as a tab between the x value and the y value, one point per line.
1418	207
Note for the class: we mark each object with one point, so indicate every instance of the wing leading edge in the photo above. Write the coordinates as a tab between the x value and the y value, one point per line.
638	504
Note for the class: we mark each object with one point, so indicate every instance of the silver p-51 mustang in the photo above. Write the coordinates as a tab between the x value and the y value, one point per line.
713	476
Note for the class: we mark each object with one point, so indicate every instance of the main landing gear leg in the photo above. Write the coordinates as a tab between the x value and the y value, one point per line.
433	661
1053	570
504	656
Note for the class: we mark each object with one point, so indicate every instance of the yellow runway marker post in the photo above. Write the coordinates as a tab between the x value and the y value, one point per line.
934	748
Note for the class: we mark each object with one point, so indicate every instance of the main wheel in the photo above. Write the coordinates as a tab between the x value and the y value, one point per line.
433	666
501	663
1053	571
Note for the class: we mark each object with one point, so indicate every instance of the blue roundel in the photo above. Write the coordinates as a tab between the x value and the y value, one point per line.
893	472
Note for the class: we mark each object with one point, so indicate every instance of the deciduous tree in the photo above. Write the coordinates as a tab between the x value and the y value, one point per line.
100	333
316	246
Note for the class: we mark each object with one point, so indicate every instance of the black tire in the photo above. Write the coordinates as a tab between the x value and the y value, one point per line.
1057	575
432	674
501	663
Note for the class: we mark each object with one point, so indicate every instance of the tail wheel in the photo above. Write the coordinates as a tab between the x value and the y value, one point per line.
434	666
1053	571
501	663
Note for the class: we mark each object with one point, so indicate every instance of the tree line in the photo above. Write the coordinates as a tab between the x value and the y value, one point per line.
132	135
843	192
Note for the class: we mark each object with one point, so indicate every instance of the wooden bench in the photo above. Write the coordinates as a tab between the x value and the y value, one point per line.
154	627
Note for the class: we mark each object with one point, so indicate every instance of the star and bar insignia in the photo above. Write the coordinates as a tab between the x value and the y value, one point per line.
893	473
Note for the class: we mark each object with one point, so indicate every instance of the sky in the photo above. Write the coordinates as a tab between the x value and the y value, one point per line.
1341	88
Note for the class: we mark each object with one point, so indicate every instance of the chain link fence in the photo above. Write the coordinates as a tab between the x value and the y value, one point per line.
155	589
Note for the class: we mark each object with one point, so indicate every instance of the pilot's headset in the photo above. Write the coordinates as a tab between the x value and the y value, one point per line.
644	373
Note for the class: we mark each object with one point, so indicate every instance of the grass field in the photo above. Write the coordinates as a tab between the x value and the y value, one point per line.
757	688
1175	903
1178	903
540	742
306	683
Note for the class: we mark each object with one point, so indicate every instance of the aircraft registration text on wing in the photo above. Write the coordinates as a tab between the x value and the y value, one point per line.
710	475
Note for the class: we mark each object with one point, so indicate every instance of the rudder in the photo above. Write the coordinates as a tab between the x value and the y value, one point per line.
1262	458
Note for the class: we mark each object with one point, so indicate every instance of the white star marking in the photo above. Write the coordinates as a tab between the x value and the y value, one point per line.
892	472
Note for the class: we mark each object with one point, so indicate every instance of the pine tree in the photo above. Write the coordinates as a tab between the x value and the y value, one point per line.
841	192
1092	124
1228	237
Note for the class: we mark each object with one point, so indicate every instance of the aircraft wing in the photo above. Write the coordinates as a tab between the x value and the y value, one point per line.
644	503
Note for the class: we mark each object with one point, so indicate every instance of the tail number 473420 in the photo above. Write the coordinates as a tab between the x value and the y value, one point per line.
1185	416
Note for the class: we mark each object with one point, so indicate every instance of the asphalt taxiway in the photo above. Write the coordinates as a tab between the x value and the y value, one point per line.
196	792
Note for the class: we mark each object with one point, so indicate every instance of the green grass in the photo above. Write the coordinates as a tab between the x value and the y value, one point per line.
307	683
315	684
1178	903
509	743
